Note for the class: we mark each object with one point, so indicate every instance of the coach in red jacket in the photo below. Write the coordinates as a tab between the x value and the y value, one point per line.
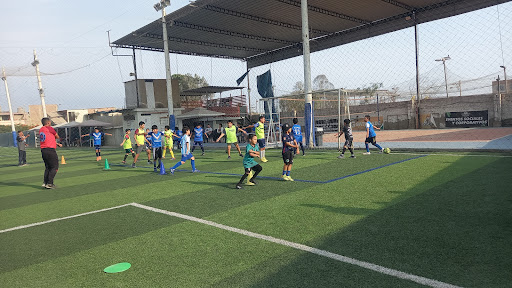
48	138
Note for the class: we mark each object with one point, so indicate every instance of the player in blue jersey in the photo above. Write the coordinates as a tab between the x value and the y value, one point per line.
371	136
97	135
297	134
198	137
177	139
185	152
290	147
156	138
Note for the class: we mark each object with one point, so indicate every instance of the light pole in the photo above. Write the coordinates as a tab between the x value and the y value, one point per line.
170	107
10	107
445	79
504	72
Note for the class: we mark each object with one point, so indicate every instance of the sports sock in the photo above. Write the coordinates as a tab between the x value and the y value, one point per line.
172	153
133	155
193	162
378	146
343	152
351	150
255	174
125	156
202	148
302	148
284	172
163	154
288	173
367	147
176	165
242	179
262	154
99	153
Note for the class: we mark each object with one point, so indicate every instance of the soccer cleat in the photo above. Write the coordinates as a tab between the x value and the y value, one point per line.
149	162
289	178
250	183
253	182
133	165
352	156
196	171
341	156
99	157
366	153
172	171
173	158
229	157
155	170
381	151
50	186
285	178
202	154
44	185
239	186
241	155
264	160
124	162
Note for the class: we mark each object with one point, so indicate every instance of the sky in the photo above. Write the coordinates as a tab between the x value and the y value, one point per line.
71	41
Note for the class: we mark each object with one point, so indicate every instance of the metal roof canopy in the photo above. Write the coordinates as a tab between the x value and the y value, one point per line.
266	31
208	90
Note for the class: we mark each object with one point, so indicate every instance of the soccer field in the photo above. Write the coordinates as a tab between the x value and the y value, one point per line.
397	220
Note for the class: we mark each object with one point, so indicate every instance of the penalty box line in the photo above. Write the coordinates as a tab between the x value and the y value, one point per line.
324	253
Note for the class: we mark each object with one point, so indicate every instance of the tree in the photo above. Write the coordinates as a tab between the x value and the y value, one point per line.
369	91
187	81
298	87
322	83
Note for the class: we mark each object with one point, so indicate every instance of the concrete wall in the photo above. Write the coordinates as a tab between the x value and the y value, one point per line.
152	93
36	113
506	109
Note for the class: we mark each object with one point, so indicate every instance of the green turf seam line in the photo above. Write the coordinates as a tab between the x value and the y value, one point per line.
63	218
341	258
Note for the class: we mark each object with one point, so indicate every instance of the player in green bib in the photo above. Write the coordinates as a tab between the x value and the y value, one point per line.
231	138
252	168
127	145
259	128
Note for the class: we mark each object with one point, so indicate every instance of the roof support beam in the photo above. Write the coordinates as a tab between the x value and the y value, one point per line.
230	33
399	4
260	19
203	43
325	11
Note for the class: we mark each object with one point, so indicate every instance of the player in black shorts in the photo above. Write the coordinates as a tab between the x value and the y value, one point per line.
347	130
290	147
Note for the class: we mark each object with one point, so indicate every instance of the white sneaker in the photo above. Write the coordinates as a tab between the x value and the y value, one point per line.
366	153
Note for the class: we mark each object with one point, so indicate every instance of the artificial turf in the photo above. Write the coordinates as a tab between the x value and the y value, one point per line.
447	218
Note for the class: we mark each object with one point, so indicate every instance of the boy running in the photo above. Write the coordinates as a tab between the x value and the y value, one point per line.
371	136
97	141
156	142
140	140
169	143
127	146
297	134
259	128
185	152
289	148
347	130
198	137
231	138
251	166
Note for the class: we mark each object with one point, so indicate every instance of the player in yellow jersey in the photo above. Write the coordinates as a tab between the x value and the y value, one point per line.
127	145
260	135
169	143
231	138
140	140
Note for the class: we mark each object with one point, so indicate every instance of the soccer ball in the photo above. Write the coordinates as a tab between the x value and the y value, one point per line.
387	150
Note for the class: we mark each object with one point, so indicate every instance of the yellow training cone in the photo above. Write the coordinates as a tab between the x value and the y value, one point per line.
63	161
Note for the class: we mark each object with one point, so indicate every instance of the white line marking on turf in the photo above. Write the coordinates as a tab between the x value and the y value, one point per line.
63	218
341	258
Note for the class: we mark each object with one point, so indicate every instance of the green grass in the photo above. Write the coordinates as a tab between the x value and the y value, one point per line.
447	218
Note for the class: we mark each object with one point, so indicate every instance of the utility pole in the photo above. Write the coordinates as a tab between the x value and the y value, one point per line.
39	85
10	107
505	73
170	107
307	74
445	78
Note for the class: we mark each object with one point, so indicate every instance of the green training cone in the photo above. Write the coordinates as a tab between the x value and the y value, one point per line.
107	167
119	267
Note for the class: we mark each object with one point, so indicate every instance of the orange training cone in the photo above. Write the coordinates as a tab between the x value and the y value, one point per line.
63	161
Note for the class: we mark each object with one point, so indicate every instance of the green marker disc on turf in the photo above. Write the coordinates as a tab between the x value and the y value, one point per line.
119	267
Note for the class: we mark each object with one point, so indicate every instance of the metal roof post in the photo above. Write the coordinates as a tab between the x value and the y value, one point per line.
307	72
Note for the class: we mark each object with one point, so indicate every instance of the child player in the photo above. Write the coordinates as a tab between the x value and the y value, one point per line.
252	150
127	146
259	128
297	134
185	152
231	138
97	141
169	143
178	136
347	130
156	142
371	136
198	137
140	141
289	148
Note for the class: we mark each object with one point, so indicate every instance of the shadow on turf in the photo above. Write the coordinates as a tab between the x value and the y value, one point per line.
454	230
342	210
